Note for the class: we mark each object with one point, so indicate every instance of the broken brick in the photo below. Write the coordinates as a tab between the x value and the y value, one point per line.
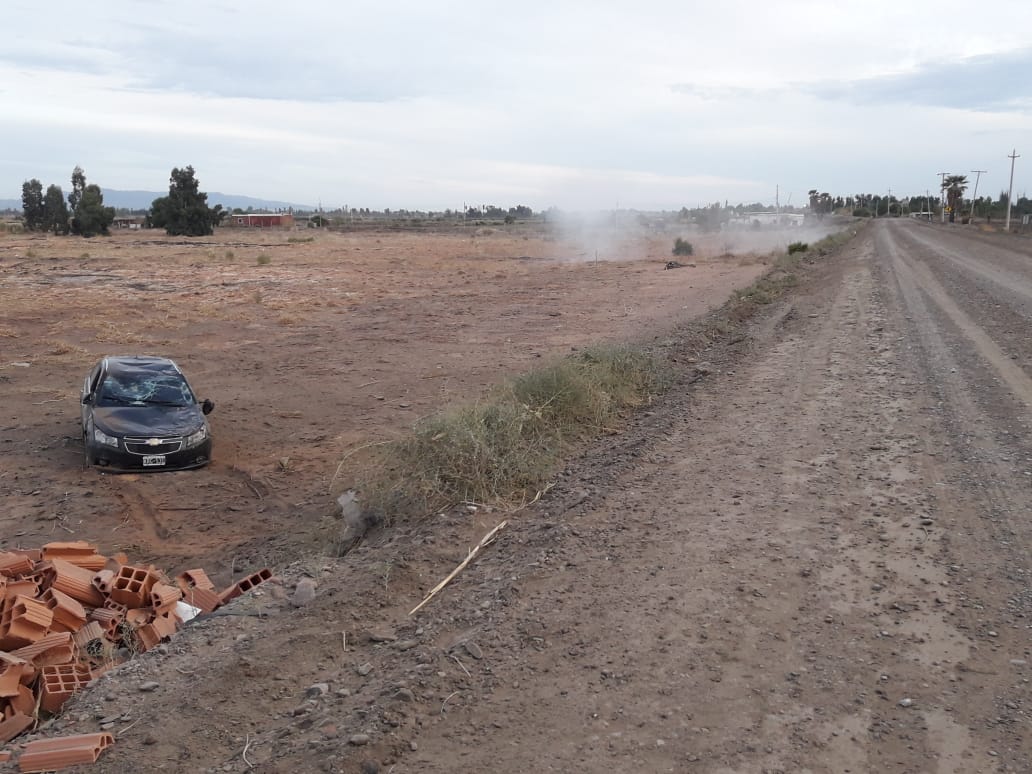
14	672
15	724
161	627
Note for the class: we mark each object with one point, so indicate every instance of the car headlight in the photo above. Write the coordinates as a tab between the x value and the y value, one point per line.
103	438
196	439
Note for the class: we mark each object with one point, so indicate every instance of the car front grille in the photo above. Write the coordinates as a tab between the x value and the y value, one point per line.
148	446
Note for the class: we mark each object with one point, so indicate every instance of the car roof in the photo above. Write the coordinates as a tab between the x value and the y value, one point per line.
123	364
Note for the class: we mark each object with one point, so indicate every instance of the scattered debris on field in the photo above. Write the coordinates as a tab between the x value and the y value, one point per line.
68	615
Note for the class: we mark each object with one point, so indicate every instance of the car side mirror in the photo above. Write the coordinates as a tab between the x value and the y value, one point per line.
86	399
207	406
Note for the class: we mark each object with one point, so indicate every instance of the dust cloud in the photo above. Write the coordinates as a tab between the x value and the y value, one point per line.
629	235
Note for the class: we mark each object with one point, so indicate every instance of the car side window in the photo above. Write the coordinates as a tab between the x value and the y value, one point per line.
94	381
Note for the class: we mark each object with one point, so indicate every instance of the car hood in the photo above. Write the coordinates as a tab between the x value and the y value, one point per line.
148	421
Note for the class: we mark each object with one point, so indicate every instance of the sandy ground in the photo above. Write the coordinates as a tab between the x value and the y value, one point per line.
812	558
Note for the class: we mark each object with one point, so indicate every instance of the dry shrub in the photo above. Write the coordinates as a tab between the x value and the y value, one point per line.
64	348
503	449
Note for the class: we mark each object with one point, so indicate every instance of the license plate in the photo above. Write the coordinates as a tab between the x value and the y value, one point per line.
154	461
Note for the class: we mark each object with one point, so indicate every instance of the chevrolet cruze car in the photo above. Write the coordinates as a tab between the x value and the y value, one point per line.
139	413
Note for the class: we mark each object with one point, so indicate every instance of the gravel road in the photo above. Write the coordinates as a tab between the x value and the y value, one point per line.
816	560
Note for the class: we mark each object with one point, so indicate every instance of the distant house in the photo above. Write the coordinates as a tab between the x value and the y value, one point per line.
133	222
261	220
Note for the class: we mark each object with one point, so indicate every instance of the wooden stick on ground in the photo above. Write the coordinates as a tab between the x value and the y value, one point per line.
486	540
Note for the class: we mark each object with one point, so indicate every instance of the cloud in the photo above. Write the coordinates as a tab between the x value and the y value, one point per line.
982	83
406	104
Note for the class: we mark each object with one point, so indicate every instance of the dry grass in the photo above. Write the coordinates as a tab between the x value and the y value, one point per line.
503	449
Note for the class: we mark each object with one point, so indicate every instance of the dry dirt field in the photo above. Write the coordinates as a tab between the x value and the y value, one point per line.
811	555
310	346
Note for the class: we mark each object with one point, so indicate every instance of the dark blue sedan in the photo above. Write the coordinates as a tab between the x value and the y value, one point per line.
139	413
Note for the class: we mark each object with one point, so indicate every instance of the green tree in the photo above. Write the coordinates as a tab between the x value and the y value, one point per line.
185	211
78	188
954	187
55	210
32	205
90	217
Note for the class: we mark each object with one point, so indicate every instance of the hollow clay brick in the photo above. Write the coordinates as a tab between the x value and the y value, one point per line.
194	579
76	582
164	597
69	614
108	620
26	587
132	586
79	553
13	564
245	584
54	648
203	599
58	683
92	631
23	622
103	581
63	751
118	607
32	554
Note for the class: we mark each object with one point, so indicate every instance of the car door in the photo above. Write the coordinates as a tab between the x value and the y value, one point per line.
89	395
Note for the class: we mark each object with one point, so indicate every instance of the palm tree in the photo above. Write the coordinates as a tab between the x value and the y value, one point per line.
954	186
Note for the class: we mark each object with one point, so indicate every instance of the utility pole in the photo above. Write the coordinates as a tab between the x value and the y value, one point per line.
942	194
1010	189
978	174
888	204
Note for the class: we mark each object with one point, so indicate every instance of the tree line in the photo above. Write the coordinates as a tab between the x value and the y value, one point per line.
83	215
184	212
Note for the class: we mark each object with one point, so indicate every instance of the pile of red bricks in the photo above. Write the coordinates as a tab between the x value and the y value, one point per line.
67	613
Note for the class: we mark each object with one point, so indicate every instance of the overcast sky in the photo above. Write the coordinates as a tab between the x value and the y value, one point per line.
580	105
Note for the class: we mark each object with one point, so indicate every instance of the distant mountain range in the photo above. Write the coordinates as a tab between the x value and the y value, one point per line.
141	200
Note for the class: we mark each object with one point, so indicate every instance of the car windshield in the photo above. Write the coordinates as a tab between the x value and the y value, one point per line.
141	388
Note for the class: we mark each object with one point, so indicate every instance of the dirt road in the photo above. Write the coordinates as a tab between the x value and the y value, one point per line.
819	561
814	558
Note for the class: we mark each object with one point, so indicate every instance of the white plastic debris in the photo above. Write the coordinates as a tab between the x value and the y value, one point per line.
186	612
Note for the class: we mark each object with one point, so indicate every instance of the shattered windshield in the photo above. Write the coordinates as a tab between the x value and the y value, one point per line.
142	388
